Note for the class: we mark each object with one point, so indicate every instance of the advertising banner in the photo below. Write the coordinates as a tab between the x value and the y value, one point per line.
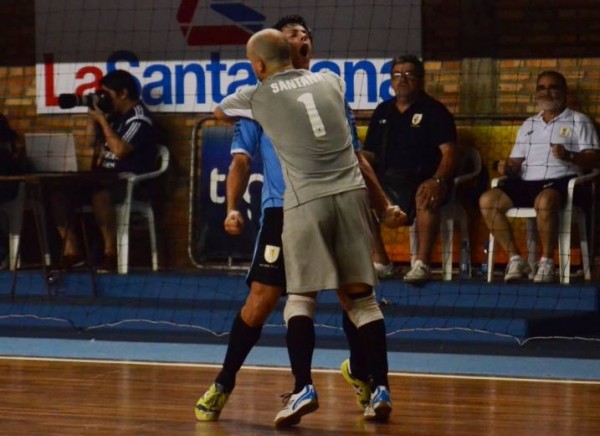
188	54
210	241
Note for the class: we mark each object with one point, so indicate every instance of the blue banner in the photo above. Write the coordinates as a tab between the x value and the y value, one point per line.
210	240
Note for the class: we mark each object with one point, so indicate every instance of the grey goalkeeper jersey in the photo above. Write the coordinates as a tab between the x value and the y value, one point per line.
304	115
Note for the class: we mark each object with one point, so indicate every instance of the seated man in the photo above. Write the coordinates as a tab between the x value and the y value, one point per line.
123	134
551	147
411	139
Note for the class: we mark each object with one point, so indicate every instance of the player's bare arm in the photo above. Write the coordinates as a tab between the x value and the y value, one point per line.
392	216
219	114
237	181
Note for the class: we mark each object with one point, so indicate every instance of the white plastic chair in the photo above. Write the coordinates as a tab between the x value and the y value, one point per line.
453	210
144	208
13	210
569	215
131	205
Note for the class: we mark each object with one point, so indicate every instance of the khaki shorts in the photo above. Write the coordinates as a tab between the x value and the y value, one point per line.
327	243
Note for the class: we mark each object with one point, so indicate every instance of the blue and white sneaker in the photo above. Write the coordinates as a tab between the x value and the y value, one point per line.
380	407
296	406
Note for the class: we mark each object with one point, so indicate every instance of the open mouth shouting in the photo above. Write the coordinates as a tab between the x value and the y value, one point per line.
304	50
302	55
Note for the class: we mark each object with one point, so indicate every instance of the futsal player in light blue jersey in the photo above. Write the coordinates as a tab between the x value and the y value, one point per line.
266	277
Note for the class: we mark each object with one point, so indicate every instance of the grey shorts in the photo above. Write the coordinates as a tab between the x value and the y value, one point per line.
327	243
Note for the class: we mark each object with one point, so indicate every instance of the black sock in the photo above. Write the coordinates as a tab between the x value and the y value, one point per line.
372	338
241	340
359	363
301	344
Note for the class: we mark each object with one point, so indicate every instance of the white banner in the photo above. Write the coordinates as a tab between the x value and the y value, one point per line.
188	54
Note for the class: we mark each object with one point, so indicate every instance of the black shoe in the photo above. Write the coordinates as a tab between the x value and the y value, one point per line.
108	265
70	262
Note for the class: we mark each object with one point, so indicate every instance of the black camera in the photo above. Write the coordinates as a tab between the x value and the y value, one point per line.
100	99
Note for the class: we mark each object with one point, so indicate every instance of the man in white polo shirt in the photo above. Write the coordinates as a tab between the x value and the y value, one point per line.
551	147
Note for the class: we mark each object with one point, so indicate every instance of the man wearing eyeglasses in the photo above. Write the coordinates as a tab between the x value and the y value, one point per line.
551	147
411	139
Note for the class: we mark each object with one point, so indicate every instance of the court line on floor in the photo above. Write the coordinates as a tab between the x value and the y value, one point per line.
434	364
281	369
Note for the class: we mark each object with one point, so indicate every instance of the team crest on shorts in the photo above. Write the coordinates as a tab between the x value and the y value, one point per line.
416	119
271	253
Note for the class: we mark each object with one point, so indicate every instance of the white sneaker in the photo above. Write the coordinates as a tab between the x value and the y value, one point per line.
296	406
545	272
517	269
384	272
380	406
419	273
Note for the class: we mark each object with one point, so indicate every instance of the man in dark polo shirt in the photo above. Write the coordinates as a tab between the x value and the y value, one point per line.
411	139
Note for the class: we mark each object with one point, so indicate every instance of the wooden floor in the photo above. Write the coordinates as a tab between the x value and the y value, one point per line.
43	397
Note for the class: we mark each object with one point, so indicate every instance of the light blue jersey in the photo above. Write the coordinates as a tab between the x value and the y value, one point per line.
249	139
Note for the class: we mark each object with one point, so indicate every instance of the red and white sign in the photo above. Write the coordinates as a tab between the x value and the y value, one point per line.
188	54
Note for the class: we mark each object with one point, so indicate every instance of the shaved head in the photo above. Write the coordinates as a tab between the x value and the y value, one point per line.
269	46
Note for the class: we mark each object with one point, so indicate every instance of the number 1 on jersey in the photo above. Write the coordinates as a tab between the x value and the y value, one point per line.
316	123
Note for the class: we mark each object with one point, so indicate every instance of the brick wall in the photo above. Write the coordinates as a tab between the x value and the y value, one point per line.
481	60
458	29
17	102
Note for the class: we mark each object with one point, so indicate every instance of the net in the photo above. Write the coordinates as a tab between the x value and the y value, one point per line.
187	55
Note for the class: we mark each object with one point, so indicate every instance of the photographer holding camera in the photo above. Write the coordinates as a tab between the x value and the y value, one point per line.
122	132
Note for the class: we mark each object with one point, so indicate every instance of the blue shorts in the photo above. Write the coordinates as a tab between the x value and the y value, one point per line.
267	263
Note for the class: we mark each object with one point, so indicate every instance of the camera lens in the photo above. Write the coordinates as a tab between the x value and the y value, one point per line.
104	102
100	98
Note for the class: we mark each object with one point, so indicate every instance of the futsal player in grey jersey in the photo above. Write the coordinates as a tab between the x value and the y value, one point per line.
327	241
316	165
